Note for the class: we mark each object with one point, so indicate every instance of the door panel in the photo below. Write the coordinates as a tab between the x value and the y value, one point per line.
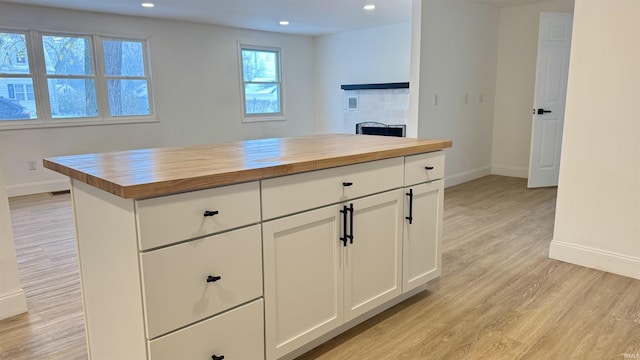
303	278
554	47
372	262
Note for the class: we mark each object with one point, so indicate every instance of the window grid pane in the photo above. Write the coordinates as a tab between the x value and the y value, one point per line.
13	54
67	55
72	98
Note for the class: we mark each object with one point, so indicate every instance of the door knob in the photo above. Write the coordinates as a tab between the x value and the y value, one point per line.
542	111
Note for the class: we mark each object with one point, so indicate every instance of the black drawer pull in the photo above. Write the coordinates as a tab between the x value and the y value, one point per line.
216	357
211	278
211	213
347	183
429	167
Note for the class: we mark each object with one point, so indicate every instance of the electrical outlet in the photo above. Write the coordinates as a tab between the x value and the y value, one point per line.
32	164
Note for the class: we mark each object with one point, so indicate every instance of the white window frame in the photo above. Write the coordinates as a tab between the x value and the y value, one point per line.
39	76
280	116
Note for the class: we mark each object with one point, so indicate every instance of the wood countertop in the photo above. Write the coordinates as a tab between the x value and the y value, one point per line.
153	172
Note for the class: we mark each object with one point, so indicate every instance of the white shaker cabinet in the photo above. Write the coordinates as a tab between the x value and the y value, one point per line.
327	266
422	235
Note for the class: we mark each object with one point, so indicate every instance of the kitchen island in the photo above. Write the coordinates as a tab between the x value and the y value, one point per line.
254	249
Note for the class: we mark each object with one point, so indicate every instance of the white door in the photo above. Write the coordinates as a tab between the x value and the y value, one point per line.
372	262
303	278
422	234
554	47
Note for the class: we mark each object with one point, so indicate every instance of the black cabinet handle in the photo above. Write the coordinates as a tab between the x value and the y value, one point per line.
344	225
347	183
350	236
428	167
216	357
210	213
212	278
410	217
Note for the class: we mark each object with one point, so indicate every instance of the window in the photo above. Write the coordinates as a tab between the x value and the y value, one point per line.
16	79
69	78
262	83
127	83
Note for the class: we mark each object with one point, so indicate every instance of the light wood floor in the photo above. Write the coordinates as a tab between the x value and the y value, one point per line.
499	296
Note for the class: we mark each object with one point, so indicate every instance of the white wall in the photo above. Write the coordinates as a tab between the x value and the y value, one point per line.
12	298
197	91
374	55
598	205
515	84
459	42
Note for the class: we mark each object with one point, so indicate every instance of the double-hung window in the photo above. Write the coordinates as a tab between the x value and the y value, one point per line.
51	79
261	83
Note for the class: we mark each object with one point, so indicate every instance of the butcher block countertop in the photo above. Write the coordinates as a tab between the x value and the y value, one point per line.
146	173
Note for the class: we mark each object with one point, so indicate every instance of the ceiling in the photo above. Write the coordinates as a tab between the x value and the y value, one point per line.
306	17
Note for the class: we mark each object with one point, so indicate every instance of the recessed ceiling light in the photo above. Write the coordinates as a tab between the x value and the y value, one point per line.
148	5
369	7
284	23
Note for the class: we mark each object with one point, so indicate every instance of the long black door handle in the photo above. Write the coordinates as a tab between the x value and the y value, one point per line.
350	208
410	217
344	224
542	111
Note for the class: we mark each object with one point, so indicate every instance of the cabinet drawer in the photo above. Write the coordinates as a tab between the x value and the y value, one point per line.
175	279
423	168
168	219
237	334
299	192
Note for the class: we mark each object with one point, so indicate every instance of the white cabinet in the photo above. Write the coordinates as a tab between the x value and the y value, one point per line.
422	245
335	248
327	266
303	277
422	238
372	262
146	267
197	279
236	334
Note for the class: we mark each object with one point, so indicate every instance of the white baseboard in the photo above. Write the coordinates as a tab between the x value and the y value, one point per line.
511	171
465	176
38	187
13	304
595	258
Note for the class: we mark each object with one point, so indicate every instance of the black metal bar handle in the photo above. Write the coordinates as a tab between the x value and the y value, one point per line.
344	224
211	213
346	183
216	357
350	223
543	111
428	167
212	278
410	217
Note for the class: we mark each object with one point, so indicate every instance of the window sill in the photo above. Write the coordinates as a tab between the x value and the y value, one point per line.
39	124
253	119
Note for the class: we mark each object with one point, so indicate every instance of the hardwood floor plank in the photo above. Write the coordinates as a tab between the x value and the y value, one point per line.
499	297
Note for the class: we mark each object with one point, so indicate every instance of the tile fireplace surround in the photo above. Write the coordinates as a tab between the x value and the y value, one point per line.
388	106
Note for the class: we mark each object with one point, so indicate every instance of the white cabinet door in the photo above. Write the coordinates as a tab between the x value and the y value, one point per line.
372	261
422	234
302	278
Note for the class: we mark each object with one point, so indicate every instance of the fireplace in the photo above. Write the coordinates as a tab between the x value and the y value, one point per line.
377	128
